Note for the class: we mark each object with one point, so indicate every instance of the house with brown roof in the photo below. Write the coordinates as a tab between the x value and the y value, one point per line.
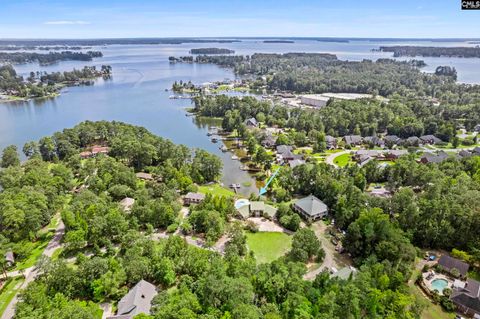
193	198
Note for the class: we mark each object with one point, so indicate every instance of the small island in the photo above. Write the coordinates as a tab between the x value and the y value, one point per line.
211	51
451	52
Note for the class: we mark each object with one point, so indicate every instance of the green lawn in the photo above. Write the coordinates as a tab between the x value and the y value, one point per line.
9	292
268	246
342	160
215	189
37	251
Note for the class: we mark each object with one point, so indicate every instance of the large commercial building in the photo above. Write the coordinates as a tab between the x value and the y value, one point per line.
315	100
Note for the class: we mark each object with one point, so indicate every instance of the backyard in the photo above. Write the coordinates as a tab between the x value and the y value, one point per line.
215	189
8	292
268	246
342	160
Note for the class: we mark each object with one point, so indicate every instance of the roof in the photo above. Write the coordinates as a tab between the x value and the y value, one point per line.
330	139
137	300
127	203
244	211
270	210
432	158
311	205
281	149
345	273
269	140
449	263
371	153
252	121
9	256
296	162
430	139
352	139
397	152
195	196
373	139
257	206
391	138
143	175
467	299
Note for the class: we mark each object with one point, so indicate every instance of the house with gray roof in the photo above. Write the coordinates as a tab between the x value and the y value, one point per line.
392	139
251	122
269	141
256	209
127	203
374	141
449	263
331	142
138	300
9	258
311	208
430	139
193	198
296	162
412	141
467	298
434	158
352	139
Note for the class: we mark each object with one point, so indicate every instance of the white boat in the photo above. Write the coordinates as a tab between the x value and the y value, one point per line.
234	157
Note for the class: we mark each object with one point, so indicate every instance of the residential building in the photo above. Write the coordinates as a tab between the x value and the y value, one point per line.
311	208
295	162
315	100
193	198
127	203
251	122
269	141
331	142
138	300
467	298
144	176
449	263
256	209
374	141
9	258
392	139
352	140
430	139
412	141
395	154
434	158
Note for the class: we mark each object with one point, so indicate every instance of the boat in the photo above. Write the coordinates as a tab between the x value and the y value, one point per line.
223	148
234	185
214	140
235	157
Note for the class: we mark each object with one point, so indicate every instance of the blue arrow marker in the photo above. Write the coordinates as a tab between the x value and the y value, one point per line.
263	190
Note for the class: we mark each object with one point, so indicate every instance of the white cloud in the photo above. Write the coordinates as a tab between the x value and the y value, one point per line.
67	22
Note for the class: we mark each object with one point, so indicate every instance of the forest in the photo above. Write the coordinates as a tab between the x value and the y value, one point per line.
364	117
413	51
320	73
107	249
49	58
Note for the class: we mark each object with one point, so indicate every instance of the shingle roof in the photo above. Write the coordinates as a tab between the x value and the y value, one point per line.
282	149
296	162
391	138
252	121
257	206
467	301
311	205
195	196
137	300
352	139
449	263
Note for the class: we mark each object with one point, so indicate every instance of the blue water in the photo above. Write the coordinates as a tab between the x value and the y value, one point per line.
439	284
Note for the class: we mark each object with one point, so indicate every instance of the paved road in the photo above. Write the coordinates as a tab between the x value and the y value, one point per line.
31	273
330	158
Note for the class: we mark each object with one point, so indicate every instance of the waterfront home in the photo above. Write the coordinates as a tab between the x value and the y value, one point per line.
127	204
352	140
193	198
430	139
137	301
144	176
256	209
269	141
295	162
331	142
285	153
449	263
467	298
251	122
9	258
311	208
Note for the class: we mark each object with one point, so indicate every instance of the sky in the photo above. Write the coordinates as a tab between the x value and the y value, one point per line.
232	18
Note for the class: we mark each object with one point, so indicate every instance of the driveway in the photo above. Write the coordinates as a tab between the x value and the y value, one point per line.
31	273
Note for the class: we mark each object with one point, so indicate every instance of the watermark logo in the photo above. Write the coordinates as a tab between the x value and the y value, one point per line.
470	4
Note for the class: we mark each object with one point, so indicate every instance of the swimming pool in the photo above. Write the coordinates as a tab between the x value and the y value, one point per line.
241	202
439	284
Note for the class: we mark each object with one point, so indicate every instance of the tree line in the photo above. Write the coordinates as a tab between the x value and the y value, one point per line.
51	57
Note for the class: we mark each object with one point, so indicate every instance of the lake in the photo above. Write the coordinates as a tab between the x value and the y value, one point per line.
136	93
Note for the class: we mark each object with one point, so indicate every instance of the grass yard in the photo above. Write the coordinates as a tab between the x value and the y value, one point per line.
215	189
342	160
8	292
268	246
37	251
